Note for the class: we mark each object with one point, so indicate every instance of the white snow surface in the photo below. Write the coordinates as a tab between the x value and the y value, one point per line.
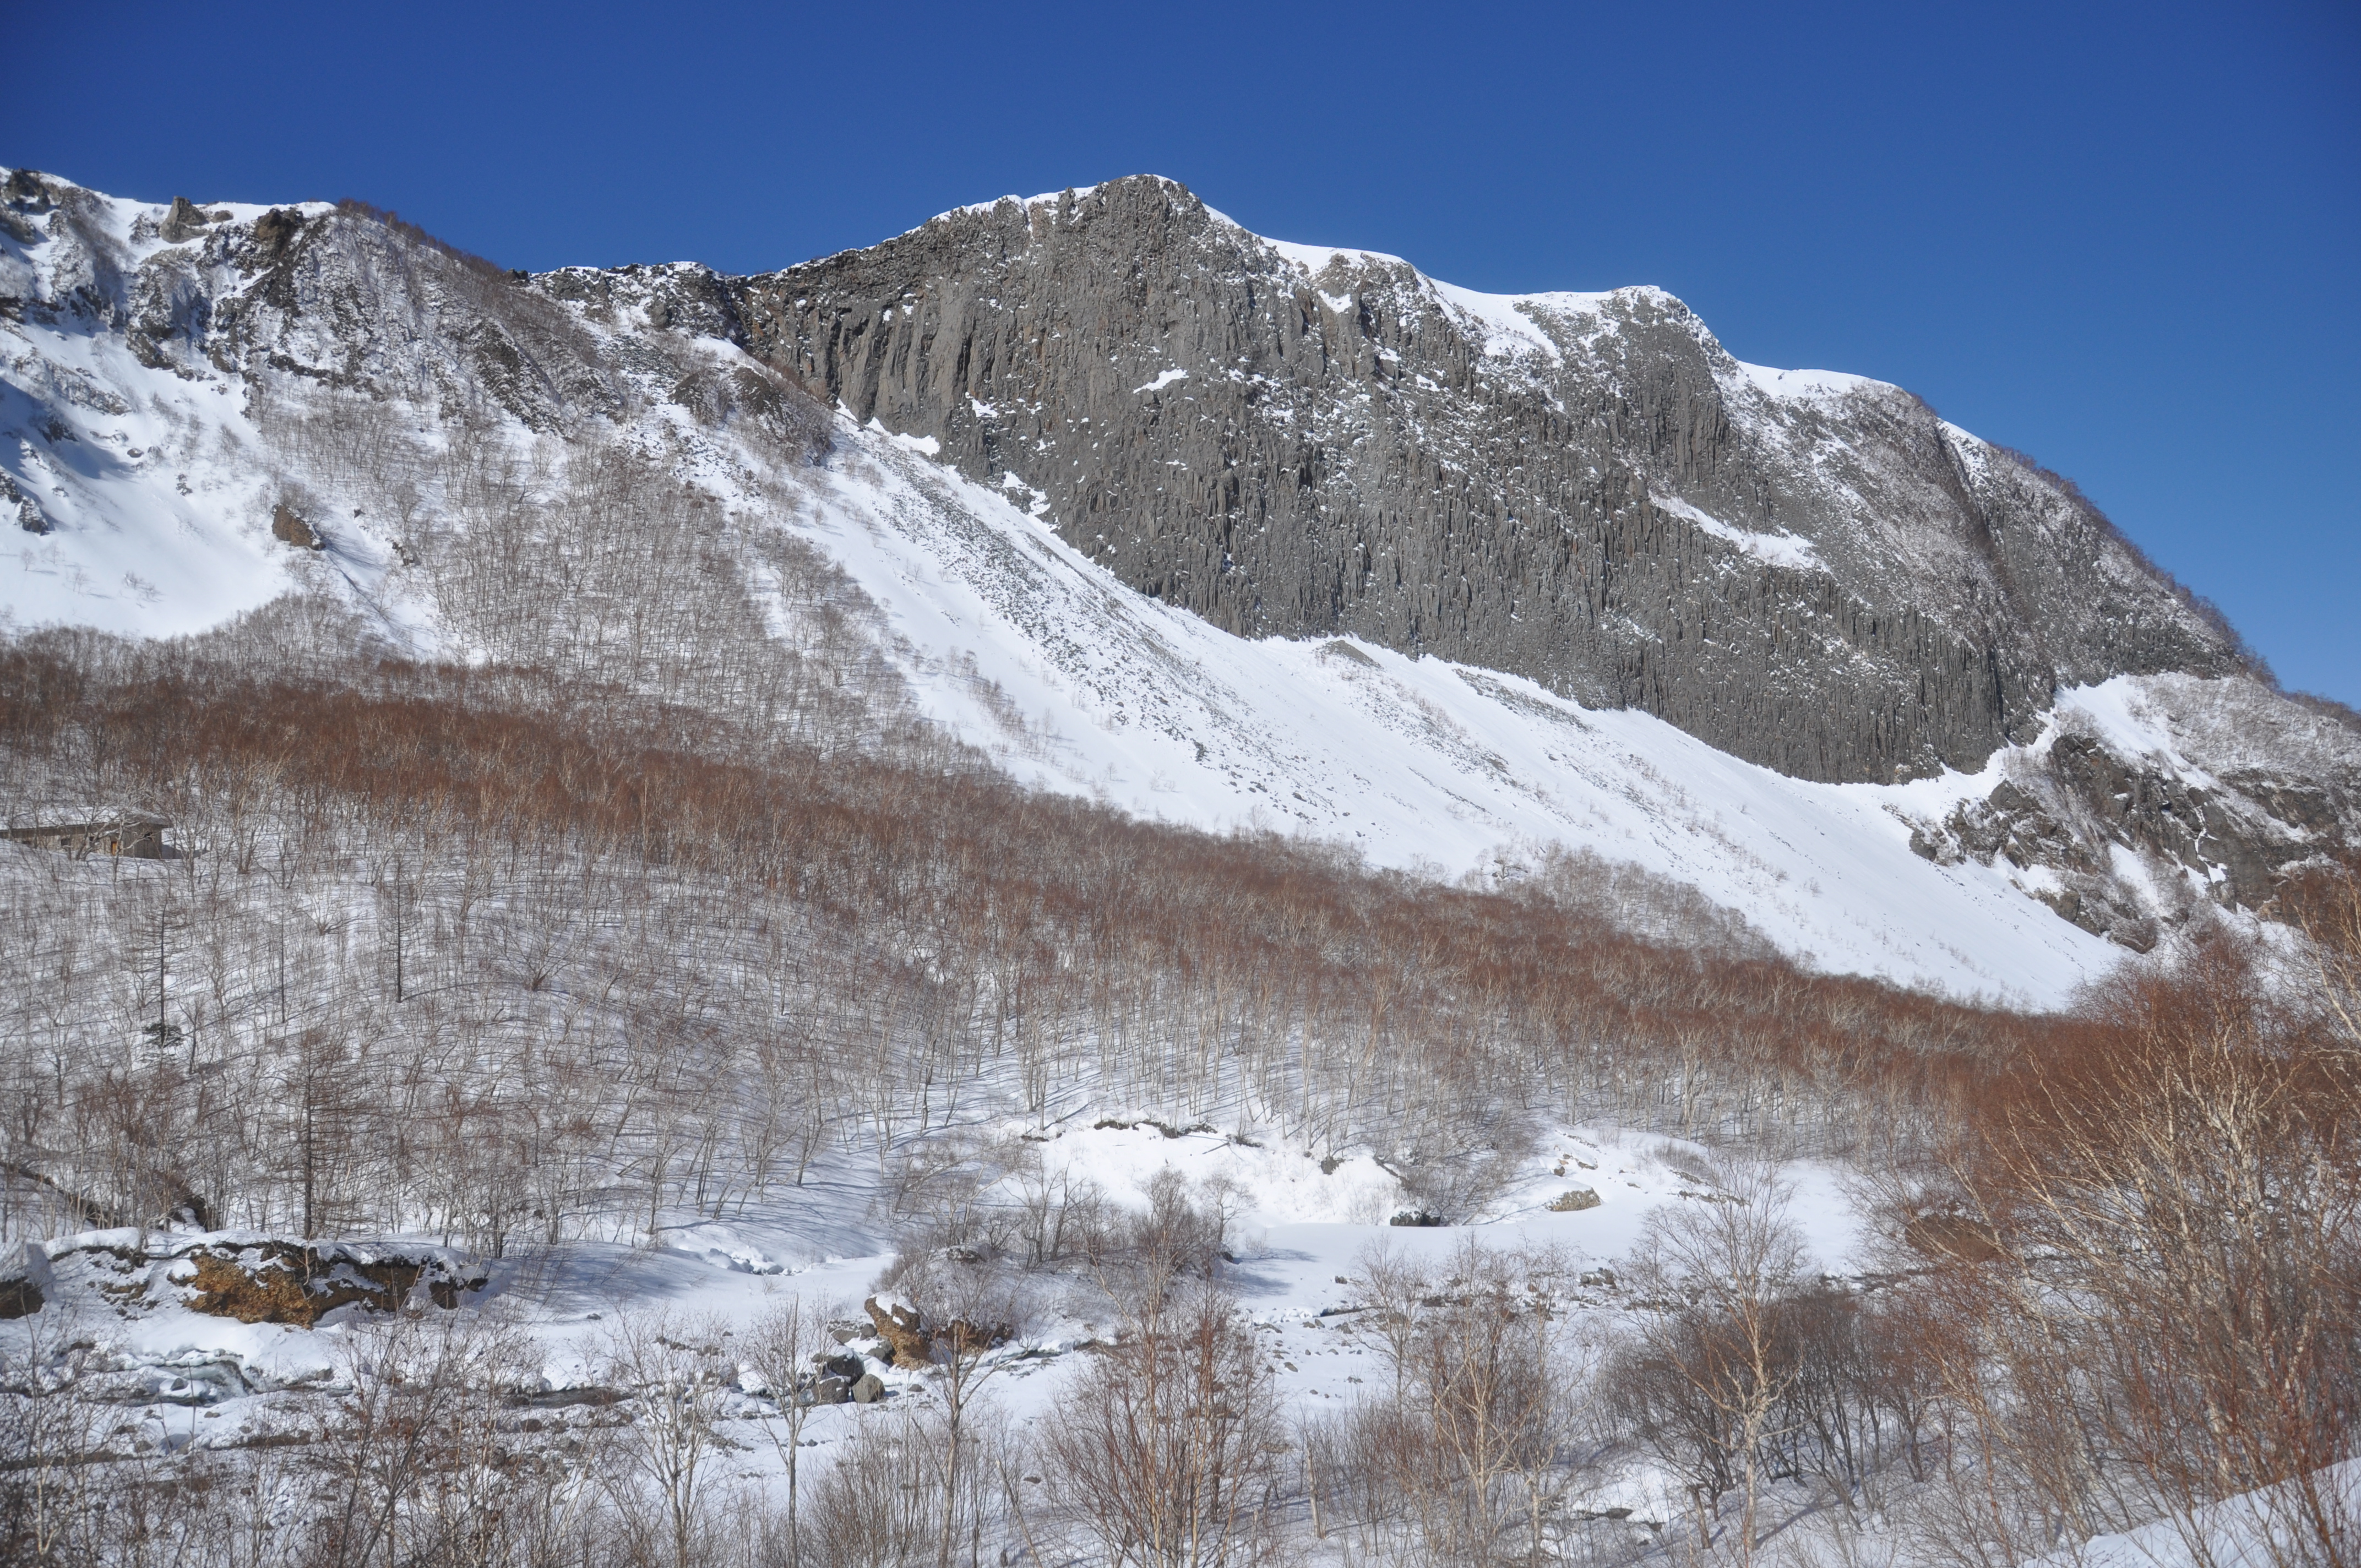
2253	1529
1416	762
1780	549
1808	384
1503	322
147	538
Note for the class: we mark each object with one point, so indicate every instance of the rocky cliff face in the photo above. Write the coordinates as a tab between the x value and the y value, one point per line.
2145	800
1812	572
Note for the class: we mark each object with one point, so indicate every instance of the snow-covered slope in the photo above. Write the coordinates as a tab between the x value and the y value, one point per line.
1413	762
140	492
128	425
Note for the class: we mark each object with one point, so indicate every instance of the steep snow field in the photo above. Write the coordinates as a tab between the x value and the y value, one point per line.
1415	762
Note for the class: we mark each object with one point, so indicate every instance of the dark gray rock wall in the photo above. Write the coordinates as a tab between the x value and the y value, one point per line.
1346	456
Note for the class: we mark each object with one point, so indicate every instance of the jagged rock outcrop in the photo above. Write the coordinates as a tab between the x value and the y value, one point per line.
26	511
904	1328
268	1281
288	527
186	222
26	1280
2221	790
1586	490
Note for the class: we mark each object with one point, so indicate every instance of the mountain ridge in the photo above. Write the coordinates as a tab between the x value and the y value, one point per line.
385	386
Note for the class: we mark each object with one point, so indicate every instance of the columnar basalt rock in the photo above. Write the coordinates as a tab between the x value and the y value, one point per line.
1584	490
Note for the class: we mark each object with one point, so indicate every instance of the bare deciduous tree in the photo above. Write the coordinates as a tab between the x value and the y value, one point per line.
779	1348
674	1372
1711	1374
1165	1451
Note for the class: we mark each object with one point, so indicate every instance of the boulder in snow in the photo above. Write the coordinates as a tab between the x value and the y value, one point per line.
25	1279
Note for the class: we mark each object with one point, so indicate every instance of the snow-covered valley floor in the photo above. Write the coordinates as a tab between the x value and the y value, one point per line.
1303	1232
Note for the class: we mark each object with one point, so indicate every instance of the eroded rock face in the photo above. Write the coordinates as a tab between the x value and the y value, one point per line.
186	220
2238	788
1590	491
26	510
288	527
254	1279
900	1325
281	1282
26	1282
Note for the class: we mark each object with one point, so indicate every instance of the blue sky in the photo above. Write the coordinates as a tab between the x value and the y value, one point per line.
2123	238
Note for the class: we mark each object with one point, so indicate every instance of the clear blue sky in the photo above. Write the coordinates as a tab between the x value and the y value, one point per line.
2125	238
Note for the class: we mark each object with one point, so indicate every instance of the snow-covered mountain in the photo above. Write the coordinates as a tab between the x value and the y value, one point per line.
207	409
